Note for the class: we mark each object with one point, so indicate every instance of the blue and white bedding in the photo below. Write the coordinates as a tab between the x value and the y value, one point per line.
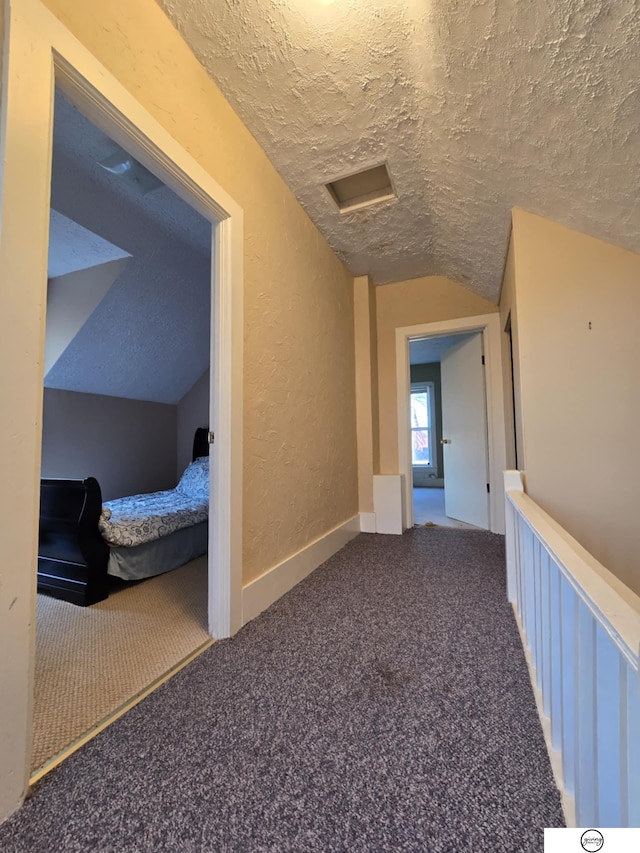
142	518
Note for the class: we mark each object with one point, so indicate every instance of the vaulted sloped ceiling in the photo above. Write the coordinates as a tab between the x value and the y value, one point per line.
148	338
476	106
429	350
73	248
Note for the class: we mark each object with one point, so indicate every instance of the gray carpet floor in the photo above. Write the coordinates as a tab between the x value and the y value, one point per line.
384	704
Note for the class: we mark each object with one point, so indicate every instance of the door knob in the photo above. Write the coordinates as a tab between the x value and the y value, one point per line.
445	441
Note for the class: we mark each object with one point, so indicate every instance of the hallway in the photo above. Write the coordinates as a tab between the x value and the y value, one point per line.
428	507
384	704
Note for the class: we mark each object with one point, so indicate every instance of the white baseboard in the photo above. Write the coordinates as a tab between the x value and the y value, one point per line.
367	522
269	587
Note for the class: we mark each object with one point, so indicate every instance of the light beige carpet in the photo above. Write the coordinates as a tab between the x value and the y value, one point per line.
91	660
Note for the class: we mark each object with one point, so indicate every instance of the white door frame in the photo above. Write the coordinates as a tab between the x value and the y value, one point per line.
489	325
38	53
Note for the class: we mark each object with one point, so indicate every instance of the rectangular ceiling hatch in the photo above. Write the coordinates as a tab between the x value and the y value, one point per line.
362	188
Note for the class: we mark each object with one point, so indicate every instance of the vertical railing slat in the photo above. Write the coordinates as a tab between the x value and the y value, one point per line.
632	717
519	566
585	731
536	640
524	544
510	546
555	644
544	682
608	733
569	646
530	609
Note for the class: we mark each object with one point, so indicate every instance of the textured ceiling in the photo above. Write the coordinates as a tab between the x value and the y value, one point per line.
73	248
429	350
148	339
477	106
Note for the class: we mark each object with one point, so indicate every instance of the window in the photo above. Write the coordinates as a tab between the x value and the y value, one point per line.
422	425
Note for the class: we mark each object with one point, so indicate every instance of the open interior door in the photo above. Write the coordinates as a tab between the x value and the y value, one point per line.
464	432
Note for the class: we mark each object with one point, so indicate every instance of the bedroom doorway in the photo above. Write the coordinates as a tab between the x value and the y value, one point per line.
137	133
40	55
126	386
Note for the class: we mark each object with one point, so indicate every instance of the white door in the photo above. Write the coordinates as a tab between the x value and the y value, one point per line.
464	433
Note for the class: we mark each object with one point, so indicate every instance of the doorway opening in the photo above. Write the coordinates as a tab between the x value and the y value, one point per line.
126	385
486	331
449	488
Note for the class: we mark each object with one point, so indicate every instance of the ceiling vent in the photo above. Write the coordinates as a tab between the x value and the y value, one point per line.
125	167
362	189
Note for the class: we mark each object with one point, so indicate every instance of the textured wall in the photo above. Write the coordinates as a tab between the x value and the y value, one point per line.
299	418
129	446
578	306
408	303
366	365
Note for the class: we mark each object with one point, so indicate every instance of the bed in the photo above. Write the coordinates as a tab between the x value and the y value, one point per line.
85	546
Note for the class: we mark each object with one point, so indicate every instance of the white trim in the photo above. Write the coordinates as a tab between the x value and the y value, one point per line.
39	51
489	325
388	503
225	402
269	587
367	522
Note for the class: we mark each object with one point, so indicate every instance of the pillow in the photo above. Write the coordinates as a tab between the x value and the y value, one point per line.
195	481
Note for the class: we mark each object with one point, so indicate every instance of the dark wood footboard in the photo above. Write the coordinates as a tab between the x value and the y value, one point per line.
72	556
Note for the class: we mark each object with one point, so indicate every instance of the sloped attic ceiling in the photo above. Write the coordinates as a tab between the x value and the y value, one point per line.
429	350
476	106
148	339
73	248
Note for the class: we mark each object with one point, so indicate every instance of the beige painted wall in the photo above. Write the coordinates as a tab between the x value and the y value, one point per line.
300	477
407	303
366	365
578	306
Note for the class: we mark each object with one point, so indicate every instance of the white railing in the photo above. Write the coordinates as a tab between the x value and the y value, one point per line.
581	631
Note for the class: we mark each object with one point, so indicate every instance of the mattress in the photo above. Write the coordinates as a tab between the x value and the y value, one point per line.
138	519
141	518
159	555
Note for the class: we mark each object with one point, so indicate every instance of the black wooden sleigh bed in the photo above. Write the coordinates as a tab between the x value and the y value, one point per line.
74	561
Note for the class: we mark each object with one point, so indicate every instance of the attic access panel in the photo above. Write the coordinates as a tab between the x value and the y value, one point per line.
361	189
